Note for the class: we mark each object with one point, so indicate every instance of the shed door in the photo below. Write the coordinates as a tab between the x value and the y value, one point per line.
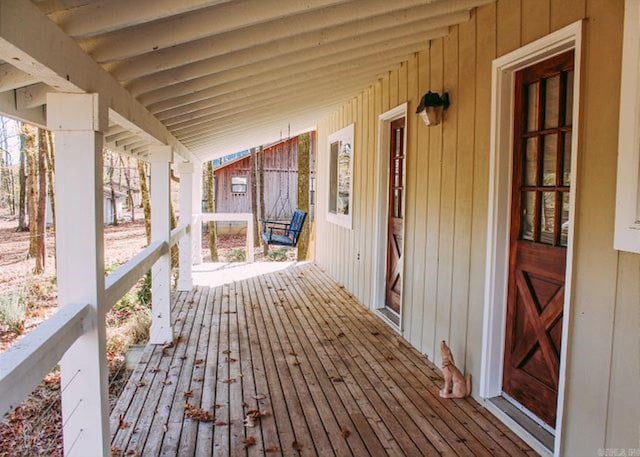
395	226
539	227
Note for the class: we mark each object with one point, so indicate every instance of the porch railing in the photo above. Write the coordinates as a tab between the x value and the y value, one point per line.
25	364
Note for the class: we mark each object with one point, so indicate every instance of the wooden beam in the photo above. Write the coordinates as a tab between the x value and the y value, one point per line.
148	37
55	59
108	15
32	96
13	78
35	116
286	27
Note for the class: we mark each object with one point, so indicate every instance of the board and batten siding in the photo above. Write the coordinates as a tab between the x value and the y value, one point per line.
447	205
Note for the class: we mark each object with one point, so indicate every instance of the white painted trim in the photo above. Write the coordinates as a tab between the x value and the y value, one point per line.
24	365
500	170
235	217
382	208
627	222
344	134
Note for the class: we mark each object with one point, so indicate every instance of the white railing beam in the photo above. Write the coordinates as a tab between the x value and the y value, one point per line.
185	279
78	121
161	328
24	365
235	217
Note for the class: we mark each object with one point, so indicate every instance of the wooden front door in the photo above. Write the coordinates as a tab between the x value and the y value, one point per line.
539	227
395	220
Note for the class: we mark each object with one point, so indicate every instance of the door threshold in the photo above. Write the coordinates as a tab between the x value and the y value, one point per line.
390	316
543	437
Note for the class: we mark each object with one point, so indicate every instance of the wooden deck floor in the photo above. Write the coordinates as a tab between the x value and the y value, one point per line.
331	378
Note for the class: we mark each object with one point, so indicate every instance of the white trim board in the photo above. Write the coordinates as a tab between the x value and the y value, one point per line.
627	222
346	134
382	207
500	171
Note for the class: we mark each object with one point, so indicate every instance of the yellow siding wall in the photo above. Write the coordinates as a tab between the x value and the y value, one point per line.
447	202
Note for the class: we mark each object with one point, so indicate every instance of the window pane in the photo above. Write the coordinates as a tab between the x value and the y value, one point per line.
333	177
569	99
552	102
397	203
564	228
566	165
528	212
547	220
550	155
531	161
532	107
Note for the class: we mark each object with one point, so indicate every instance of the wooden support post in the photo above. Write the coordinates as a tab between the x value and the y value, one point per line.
78	121
161	329
185	280
196	229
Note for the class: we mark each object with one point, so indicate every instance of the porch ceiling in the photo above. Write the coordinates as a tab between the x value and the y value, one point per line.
224	75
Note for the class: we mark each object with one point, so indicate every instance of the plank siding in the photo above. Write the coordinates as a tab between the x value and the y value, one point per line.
447	204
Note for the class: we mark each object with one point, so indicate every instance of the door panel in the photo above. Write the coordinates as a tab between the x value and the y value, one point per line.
395	222
539	226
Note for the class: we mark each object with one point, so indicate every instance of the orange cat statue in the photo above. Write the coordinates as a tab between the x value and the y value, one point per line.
455	384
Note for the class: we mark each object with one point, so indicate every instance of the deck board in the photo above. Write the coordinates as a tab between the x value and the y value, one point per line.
331	376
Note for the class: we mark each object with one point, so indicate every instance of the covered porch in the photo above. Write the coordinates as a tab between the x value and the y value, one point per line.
329	376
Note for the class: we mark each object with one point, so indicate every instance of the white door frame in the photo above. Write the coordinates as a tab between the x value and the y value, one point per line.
499	217
382	207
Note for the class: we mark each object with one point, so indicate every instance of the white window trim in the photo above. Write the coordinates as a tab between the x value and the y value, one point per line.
627	222
497	263
343	220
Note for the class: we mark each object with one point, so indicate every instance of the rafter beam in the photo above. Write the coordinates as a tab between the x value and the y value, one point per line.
138	40
51	56
13	78
91	19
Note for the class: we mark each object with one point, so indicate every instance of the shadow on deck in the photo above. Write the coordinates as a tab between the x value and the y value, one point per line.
331	378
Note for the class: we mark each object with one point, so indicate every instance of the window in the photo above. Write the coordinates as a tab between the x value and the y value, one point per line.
340	185
627	228
238	185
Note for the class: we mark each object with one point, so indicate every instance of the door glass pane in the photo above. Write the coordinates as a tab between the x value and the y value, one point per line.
397	203
550	148
569	99
552	102
566	163
397	173
547	219
530	159
528	212
564	228
532	107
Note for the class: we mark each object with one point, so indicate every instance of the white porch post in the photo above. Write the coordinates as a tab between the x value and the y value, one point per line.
196	229
161	329
78	121
185	169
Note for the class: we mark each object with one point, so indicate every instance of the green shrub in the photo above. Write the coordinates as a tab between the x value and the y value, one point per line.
13	311
236	255
144	293
278	254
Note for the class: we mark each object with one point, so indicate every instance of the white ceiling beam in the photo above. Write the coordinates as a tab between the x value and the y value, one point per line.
149	37
396	11
51	56
35	116
278	55
32	96
107	15
202	98
12	78
113	137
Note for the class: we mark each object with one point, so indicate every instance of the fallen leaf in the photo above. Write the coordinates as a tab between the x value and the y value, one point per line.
229	381
272	449
198	361
115	451
216	406
259	397
166	429
167	382
375	333
198	414
249	441
296	363
131	452
337	379
226	351
188	394
345	433
340	335
230	360
121	423
293	353
253	415
297	446
198	379
220	423
141	384
155	370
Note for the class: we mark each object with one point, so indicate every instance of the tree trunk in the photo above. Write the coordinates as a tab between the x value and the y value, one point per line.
127	179
29	133
304	149
114	202
6	173
41	223
173	223
254	198
50	170
265	246
211	208
22	183
146	205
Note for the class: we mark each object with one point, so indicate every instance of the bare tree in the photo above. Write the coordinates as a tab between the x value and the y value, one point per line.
29	133
211	208
40	222
110	173
127	178
22	183
146	205
50	174
265	246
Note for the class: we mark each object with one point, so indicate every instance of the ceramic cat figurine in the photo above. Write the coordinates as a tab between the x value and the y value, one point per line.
455	384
